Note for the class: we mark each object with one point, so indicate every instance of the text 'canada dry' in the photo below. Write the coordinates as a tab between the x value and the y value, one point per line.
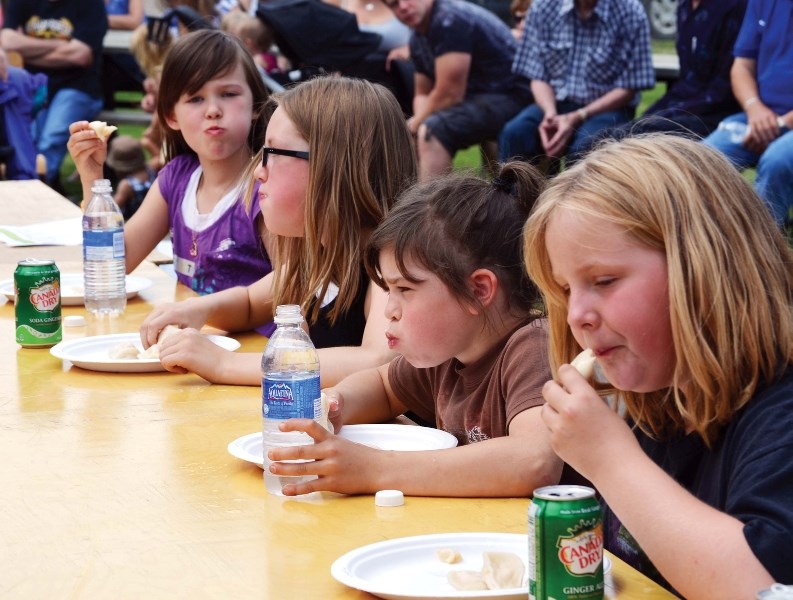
566	532
37	291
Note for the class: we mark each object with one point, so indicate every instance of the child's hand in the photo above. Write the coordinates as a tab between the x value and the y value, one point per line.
188	313
342	466
335	405
87	149
187	351
585	432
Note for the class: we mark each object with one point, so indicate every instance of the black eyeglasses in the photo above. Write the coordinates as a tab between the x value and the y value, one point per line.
293	153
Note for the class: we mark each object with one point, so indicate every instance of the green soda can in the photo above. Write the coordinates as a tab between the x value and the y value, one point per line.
37	292
566	532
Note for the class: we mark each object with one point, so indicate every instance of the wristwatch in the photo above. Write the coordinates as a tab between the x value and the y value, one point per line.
781	123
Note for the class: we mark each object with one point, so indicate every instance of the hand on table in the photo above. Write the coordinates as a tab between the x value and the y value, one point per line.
187	351
585	432
342	466
187	313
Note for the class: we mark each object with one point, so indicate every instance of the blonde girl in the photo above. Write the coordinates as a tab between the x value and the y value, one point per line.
337	153
658	256
212	109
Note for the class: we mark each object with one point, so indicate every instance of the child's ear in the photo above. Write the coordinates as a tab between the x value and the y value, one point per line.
171	122
484	285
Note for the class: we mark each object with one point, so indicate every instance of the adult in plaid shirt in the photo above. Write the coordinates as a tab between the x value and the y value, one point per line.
587	60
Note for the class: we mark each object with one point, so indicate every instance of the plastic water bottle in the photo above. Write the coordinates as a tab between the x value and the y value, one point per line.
290	389
104	264
736	130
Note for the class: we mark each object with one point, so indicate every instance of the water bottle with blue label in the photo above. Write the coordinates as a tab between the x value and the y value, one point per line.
290	389
104	258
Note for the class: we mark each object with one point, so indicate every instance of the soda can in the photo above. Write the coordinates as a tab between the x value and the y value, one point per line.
776	592
565	544
37	295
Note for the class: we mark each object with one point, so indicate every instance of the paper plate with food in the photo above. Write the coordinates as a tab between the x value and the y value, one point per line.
441	566
122	352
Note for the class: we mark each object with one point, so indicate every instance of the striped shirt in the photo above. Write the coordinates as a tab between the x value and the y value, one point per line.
584	59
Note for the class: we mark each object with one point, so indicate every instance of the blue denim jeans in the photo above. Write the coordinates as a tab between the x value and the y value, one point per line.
774	181
520	136
51	127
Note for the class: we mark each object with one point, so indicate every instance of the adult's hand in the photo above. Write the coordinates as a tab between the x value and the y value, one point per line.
763	127
560	140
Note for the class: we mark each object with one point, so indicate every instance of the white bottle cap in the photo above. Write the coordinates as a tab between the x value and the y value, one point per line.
389	498
74	321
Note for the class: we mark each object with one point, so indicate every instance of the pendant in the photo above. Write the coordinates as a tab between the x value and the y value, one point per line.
369	6
194	248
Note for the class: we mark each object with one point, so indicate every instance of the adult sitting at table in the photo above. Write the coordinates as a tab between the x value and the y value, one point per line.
762	135
464	88
587	61
62	40
464	318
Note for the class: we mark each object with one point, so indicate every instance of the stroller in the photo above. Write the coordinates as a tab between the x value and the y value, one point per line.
320	38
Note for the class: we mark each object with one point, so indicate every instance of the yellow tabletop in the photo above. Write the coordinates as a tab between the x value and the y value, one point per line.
121	486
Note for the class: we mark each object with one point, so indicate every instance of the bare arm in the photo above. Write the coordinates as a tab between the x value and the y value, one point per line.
73	53
762	120
701	551
451	80
29	47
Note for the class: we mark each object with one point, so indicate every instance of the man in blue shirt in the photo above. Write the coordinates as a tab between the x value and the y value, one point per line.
587	60
761	81
464	87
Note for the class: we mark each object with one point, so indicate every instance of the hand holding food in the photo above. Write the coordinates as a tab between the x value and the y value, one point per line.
102	129
584	363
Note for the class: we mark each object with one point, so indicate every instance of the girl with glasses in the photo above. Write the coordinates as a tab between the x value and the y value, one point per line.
212	109
337	153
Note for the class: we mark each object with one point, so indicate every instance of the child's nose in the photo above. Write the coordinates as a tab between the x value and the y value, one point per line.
260	172
581	313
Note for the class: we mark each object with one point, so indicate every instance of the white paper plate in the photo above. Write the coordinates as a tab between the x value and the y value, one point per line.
385	436
92	353
408	568
72	288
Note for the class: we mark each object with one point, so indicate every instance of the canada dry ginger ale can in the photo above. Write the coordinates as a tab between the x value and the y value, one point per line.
37	291
565	544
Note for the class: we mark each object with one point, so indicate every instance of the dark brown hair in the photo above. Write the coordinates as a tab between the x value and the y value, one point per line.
195	59
456	224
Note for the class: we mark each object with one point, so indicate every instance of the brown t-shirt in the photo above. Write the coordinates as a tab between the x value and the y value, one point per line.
478	401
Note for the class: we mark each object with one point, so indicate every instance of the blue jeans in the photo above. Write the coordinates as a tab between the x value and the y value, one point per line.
51	127
774	181
520	136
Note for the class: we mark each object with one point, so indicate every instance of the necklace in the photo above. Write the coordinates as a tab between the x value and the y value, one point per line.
194	245
369	6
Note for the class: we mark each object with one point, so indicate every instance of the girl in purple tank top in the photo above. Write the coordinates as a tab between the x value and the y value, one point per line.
212	110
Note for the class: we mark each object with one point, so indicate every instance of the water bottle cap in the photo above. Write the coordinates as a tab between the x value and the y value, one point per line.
389	498
101	186
288	313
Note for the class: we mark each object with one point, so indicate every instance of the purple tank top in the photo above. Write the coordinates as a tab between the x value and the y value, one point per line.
228	253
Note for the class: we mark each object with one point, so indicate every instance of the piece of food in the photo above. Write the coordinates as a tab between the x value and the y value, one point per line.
103	130
502	570
448	555
153	351
123	351
585	363
466	581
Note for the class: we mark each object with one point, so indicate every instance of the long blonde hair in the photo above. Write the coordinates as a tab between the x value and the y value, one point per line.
362	157
730	273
